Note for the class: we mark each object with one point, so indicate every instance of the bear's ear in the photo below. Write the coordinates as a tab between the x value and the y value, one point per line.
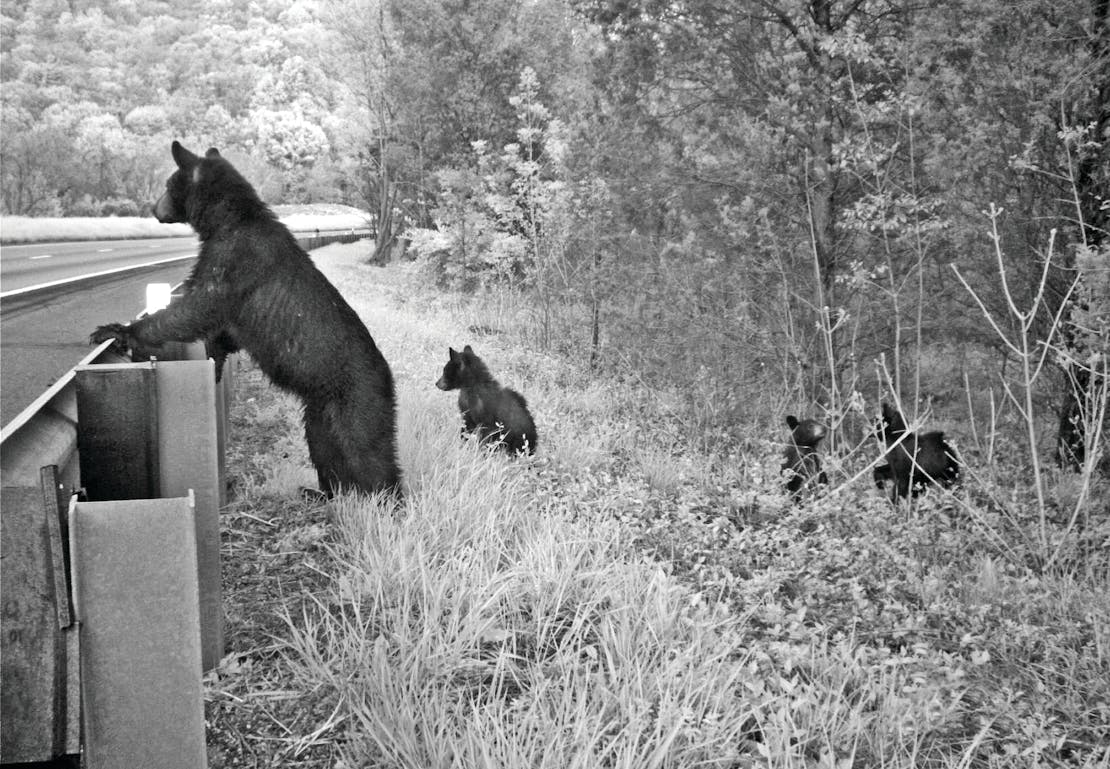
467	350
452	353
791	421
212	153
182	156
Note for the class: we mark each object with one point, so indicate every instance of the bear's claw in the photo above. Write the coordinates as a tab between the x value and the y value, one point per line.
115	331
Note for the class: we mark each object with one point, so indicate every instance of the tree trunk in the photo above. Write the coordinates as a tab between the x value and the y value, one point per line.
1091	180
595	321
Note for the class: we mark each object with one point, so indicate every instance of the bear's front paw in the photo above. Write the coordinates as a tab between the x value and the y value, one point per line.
118	332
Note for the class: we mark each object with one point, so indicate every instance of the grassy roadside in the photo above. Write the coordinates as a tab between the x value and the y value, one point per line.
621	600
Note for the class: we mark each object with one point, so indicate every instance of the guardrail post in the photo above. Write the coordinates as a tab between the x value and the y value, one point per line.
39	643
167	437
117	432
135	588
148	430
224	389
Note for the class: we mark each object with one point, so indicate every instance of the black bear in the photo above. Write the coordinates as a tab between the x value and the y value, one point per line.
800	461
915	463
881	475
497	414
219	346
253	287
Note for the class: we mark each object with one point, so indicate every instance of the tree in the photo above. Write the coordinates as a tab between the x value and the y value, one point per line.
35	171
794	105
364	28
1087	328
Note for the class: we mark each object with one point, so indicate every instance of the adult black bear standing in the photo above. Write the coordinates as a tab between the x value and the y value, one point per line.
917	461
800	460
255	287
496	413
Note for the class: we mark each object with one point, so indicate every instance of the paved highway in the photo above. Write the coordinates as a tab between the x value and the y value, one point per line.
39	263
43	334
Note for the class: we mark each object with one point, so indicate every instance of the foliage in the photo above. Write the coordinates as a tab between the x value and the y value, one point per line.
625	599
753	205
728	211
429	79
505	218
98	94
467	248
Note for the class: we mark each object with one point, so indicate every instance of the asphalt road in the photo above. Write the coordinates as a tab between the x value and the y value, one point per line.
44	334
40	263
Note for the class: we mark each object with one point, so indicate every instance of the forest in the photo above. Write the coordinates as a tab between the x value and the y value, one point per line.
730	211
755	201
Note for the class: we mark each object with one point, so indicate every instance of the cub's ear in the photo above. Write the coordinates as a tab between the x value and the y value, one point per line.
452	353
791	421
184	159
212	153
467	350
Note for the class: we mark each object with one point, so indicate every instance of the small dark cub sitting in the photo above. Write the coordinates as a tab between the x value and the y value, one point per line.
497	414
800	460
917	462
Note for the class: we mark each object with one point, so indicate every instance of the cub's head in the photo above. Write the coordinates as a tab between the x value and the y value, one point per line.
462	369
449	380
176	203
805	432
890	425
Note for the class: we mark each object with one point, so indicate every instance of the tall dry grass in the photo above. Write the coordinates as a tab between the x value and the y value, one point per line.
625	599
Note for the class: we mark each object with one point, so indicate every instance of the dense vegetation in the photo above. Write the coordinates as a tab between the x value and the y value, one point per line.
625	599
715	214
755	200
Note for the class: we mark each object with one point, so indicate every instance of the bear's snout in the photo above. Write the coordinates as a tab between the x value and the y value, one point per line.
163	210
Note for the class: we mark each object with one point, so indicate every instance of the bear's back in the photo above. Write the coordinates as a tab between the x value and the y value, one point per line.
287	313
501	412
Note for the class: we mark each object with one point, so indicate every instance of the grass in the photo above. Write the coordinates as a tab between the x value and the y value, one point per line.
27	229
622	600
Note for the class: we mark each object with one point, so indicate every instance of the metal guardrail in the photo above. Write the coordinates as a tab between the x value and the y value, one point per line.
59	402
43	435
327	237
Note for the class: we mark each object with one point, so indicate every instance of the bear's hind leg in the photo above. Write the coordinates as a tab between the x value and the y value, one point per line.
366	445
324	451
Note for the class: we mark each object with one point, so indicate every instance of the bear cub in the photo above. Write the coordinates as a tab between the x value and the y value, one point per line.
917	462
497	414
800	461
253	287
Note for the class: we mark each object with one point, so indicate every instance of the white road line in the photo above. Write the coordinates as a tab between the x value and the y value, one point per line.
104	250
28	289
41	256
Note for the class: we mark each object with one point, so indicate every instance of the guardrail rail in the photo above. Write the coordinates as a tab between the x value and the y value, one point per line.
42	691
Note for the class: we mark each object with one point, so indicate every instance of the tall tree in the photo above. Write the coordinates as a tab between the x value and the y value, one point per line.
1090	307
794	104
366	31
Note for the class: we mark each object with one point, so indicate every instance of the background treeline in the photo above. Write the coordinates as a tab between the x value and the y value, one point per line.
745	204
